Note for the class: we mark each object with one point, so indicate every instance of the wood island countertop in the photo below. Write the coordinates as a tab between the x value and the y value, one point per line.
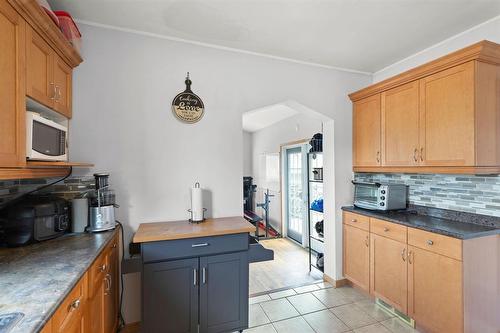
160	231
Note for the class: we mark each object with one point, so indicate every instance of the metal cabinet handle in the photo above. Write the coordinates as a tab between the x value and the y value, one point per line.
415	152
57	94
204	275
430	242
378	156
354	220
386	229
410	257
107	280
53	91
422	154
75	305
195	277
200	245
102	268
367	241
403	254
114	246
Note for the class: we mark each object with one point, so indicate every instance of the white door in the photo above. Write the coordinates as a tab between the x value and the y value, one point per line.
295	174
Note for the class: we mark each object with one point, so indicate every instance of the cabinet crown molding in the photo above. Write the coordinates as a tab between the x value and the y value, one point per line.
484	51
31	11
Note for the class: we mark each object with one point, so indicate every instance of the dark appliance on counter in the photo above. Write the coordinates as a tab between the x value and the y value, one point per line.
378	196
34	219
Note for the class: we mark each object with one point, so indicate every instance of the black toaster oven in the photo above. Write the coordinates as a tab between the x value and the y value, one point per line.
33	219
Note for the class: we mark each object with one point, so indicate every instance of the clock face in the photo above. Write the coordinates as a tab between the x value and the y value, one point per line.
188	107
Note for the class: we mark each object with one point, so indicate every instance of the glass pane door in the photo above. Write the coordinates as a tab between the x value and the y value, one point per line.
296	209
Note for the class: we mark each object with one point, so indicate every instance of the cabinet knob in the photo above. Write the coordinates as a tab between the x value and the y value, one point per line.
53	91
422	154
403	254
415	152
102	268
114	246
430	242
386	229
367	241
75	305
354	220
410	257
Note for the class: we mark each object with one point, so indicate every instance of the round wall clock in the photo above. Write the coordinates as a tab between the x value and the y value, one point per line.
187	106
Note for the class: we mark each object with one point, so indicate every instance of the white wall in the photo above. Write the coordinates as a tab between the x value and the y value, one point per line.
489	30
268	140
123	123
247	154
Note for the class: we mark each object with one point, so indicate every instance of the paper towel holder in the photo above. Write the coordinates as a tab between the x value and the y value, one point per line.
191	219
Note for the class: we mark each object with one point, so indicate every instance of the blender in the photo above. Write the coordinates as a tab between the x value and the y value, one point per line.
102	205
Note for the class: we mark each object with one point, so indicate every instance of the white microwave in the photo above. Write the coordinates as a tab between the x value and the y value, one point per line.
46	140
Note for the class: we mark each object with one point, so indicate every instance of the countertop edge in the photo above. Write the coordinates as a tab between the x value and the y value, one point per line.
160	238
53	309
436	231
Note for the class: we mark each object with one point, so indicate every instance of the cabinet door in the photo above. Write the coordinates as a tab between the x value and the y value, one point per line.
357	256
96	309
224	292
39	69
12	86
435	291
111	290
400	129
62	85
366	132
447	117
170	296
388	271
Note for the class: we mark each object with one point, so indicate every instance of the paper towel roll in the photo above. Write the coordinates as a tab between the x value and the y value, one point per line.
197	203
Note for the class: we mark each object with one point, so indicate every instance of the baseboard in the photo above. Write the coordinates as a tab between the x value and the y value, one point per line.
335	283
131	328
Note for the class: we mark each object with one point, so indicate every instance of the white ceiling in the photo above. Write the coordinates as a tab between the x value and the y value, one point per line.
258	119
364	35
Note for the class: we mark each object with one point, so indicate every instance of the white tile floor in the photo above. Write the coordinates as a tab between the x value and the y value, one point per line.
319	308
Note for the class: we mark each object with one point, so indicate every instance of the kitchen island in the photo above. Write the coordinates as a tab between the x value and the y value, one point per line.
195	276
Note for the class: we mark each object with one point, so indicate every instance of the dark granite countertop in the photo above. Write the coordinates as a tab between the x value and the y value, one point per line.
439	225
35	279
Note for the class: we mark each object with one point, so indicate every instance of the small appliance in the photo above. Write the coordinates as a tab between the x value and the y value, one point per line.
34	219
46	140
378	196
102	205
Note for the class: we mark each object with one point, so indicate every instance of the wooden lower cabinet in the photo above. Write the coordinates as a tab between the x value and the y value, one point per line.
389	271
435	291
357	256
93	304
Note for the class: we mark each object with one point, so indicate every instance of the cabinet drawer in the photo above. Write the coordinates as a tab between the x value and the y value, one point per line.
388	229
97	272
447	246
72	308
356	220
193	247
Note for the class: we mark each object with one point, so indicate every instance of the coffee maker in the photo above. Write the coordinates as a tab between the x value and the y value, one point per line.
102	205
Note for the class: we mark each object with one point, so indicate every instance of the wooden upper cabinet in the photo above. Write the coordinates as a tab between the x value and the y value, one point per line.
49	78
400	125
435	291
39	69
12	85
357	256
366	132
62	86
441	117
388	271
447	117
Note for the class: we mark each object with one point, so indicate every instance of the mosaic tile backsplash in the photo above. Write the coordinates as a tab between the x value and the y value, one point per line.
70	188
465	193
